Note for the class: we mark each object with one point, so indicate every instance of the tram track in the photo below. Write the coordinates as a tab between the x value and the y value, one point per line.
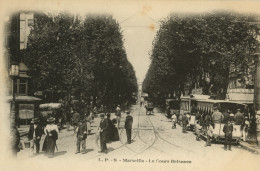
157	137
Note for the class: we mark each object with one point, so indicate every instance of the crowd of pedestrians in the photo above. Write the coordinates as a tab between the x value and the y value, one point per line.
80	119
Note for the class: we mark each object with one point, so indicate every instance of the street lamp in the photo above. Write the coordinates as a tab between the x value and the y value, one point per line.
14	73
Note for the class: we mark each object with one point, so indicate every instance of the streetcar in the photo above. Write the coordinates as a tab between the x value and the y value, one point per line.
188	104
206	107
174	105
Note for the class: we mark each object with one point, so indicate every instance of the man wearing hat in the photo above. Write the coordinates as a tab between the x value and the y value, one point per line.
35	134
228	129
103	130
239	117
81	136
128	126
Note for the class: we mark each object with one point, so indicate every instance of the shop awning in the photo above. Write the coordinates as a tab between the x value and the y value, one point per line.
23	99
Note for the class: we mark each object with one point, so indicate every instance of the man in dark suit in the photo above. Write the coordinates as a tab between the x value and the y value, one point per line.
228	129
35	134
81	136
128	126
103	129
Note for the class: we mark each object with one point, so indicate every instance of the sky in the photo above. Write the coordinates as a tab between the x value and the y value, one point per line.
139	20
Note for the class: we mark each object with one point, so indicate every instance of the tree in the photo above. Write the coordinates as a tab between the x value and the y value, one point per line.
198	50
82	56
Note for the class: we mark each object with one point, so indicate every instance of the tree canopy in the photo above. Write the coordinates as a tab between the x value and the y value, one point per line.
83	56
197	50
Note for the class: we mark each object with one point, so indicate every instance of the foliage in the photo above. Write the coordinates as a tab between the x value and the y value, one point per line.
197	51
82	56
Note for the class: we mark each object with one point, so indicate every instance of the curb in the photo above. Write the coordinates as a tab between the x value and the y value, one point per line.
256	151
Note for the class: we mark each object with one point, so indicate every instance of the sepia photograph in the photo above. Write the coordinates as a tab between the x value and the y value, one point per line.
129	85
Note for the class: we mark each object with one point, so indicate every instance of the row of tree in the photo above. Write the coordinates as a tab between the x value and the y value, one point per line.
81	56
192	51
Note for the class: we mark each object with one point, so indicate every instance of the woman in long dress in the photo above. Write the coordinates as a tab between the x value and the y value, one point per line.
115	135
51	131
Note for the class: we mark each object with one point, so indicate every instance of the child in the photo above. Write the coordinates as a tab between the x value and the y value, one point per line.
198	130
174	120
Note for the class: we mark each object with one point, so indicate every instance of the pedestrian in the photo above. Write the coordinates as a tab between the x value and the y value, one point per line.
168	112
226	116
88	122
257	125
228	129
51	131
110	128
231	117
118	114
245	128
209	134
103	130
185	122
115	135
15	139
128	126
217	116
75	120
68	119
81	132
174	120
198	128
35	134
239	117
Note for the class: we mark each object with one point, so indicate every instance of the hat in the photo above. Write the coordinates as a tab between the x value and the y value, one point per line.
215	108
102	115
108	114
238	109
127	112
118	105
35	120
51	119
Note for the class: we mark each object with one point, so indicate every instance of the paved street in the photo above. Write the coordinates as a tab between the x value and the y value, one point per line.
152	138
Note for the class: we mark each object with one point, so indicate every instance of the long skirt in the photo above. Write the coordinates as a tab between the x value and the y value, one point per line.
114	135
49	145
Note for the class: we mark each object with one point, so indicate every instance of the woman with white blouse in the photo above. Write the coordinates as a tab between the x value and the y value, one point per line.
51	131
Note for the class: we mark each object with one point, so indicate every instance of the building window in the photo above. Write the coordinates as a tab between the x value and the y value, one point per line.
21	86
30	22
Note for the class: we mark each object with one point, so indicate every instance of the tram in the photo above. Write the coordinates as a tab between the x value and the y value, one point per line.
206	107
188	104
174	105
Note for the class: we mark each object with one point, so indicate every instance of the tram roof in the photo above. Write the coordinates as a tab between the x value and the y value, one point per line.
222	101
195	97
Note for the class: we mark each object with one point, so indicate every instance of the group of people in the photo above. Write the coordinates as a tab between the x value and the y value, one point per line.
228	119
108	129
207	122
36	131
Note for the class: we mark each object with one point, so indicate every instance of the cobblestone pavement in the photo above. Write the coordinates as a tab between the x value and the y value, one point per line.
153	141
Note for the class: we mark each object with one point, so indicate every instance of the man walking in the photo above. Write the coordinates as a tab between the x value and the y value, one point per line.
128	126
103	130
228	129
35	134
81	136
